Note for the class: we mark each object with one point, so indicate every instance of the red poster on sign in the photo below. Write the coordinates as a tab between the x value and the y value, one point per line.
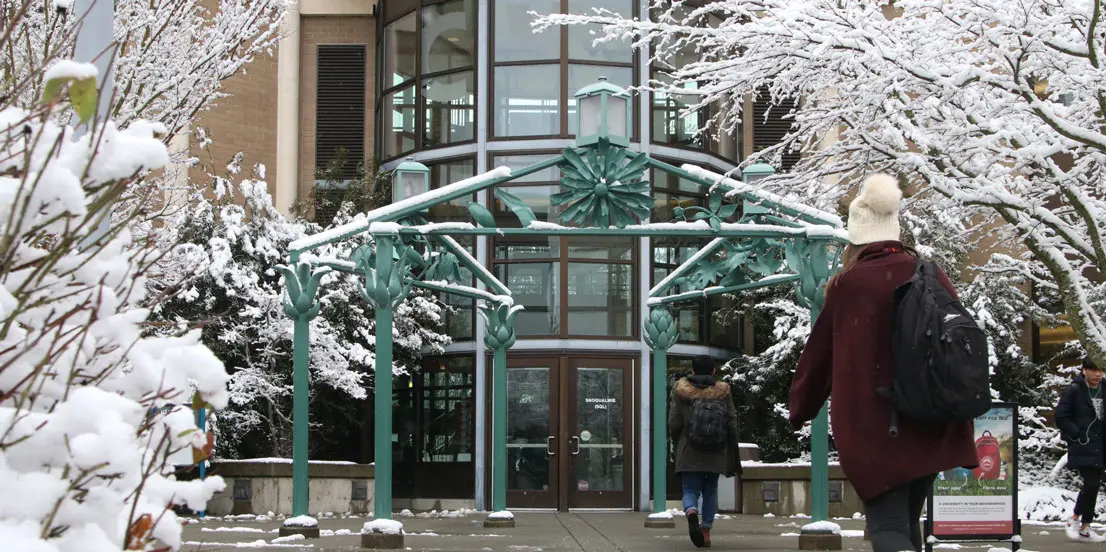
582	485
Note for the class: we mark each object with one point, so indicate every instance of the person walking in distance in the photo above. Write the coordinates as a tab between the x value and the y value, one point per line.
702	421
1079	418
891	462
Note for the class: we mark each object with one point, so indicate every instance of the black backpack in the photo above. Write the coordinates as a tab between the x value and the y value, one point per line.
941	370
706	425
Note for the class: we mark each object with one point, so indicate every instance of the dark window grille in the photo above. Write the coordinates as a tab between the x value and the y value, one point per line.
339	124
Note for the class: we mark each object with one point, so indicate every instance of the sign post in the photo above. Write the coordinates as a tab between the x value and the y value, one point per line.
981	504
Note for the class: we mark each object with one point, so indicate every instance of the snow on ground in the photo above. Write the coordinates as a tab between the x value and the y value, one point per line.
255	544
235	530
503	515
661	515
289	538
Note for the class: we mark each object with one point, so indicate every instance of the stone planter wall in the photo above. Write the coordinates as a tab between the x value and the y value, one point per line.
785	490
265	485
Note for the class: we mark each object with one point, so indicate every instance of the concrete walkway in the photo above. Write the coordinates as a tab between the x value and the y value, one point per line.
578	532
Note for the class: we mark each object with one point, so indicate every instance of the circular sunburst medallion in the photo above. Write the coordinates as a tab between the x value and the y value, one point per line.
605	187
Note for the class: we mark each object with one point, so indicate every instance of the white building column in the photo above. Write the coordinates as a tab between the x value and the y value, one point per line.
645	271
288	110
483	59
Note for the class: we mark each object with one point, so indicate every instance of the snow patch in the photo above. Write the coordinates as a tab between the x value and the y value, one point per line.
289	538
301	521
822	527
384	526
501	515
660	516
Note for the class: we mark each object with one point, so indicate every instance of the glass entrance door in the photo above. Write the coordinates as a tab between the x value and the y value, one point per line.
569	432
599	433
532	432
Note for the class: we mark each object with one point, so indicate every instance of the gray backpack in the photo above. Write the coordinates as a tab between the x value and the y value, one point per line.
706	426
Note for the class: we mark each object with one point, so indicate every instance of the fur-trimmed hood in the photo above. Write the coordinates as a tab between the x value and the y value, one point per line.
701	387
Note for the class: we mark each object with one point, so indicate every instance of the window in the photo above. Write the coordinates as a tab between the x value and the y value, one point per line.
670	124
449	106
399	131
535	76
400	51
460	319
527	100
581	39
534	189
515	39
435	431
428	87
570	287
339	123
448	31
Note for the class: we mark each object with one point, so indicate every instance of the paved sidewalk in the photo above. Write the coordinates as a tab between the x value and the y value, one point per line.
562	532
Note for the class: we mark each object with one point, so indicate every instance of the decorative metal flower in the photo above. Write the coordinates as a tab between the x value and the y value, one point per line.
605	188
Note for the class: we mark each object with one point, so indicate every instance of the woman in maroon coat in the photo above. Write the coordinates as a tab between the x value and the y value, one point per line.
848	356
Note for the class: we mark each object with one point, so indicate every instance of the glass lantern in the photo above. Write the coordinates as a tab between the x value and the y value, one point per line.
409	179
603	112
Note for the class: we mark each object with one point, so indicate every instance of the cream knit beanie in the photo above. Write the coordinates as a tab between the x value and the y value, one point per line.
874	214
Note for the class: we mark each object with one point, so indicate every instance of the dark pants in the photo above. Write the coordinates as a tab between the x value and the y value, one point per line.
1088	495
894	517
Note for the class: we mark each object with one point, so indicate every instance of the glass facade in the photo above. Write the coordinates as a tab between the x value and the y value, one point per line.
465	86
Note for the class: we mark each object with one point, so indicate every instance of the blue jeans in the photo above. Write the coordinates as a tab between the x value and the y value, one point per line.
703	484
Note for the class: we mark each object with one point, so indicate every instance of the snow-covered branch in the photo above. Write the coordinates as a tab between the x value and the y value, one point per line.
999	110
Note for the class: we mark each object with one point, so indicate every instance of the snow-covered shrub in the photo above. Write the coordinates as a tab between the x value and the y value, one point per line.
222	278
85	427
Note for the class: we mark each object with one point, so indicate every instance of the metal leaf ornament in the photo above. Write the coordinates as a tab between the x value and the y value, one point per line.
302	283
606	187
499	321
715	215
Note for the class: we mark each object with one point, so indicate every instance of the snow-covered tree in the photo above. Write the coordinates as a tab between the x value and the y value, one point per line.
223	278
995	112
86	425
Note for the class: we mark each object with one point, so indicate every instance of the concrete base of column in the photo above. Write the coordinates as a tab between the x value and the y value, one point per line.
499	523
660	523
382	541
819	540
307	532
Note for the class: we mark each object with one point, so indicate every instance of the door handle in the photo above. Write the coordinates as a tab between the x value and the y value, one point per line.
549	446
576	442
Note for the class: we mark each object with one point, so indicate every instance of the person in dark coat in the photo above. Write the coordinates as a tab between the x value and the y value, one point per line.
699	469
848	356
1079	418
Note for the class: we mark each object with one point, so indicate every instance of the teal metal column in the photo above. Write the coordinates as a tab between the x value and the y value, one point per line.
384	288
300	421
499	324
382	418
302	283
819	451
660	333
814	264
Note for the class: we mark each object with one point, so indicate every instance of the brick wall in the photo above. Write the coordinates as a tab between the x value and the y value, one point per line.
245	121
318	30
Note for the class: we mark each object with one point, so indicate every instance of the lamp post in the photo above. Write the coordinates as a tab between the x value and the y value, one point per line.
602	113
409	179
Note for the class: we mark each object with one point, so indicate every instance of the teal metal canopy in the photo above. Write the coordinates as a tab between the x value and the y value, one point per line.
758	239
